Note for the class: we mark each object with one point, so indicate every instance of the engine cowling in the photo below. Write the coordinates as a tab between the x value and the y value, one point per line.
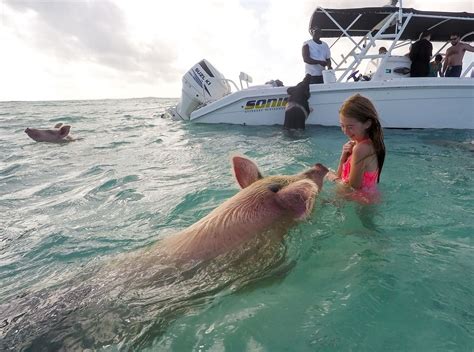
202	84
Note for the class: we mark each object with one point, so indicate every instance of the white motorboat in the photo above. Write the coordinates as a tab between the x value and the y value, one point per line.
402	101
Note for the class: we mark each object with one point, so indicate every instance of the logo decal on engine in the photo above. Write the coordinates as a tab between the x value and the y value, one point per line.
265	104
199	81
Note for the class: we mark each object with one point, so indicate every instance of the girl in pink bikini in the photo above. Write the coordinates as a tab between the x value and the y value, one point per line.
363	155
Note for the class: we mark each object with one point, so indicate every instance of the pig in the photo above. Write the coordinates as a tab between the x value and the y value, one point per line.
134	297
60	134
264	206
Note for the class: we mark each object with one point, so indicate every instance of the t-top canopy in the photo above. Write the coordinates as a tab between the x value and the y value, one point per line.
442	23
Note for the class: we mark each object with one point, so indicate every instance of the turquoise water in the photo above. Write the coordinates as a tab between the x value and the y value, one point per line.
398	276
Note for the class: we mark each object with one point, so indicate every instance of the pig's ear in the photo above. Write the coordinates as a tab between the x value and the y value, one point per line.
58	125
245	171
64	131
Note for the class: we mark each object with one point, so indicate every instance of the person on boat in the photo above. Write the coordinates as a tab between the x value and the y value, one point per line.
382	50
420	56
362	157
435	67
316	55
454	55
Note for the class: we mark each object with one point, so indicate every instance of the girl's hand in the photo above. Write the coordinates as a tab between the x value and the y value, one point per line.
332	176
347	150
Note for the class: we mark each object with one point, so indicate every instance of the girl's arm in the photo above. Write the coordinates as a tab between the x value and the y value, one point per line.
346	151
360	154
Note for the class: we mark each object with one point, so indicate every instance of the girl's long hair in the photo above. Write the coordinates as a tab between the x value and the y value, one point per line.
361	108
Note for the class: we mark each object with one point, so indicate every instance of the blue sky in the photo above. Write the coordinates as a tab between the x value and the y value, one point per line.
84	49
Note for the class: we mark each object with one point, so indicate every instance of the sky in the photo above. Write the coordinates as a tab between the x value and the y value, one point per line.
104	49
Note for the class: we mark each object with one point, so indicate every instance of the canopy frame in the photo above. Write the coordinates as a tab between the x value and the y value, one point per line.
393	26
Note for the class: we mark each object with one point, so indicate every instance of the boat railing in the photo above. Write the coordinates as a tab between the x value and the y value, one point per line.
231	81
468	70
224	81
361	48
244	77
350	62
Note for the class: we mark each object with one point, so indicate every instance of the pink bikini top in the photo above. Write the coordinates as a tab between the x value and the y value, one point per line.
369	178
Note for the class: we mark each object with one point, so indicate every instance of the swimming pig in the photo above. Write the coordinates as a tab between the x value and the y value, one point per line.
264	206
59	134
131	300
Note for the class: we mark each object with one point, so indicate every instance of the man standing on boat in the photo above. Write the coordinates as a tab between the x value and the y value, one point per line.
453	61
316	55
420	56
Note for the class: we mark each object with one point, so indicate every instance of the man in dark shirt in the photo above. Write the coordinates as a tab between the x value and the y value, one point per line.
420	56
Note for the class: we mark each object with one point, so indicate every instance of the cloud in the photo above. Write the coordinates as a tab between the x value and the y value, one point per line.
91	31
79	49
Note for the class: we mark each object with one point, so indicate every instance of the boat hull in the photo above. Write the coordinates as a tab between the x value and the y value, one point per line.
401	103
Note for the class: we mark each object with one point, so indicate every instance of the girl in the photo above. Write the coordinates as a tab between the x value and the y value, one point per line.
363	155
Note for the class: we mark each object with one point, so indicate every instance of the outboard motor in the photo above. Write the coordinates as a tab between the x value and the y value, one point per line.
201	84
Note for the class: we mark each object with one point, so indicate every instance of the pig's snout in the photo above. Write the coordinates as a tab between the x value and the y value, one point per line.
321	169
31	133
317	174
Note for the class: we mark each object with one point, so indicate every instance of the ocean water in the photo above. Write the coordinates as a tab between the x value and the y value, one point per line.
75	218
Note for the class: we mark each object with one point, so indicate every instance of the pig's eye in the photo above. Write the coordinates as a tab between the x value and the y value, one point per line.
274	188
